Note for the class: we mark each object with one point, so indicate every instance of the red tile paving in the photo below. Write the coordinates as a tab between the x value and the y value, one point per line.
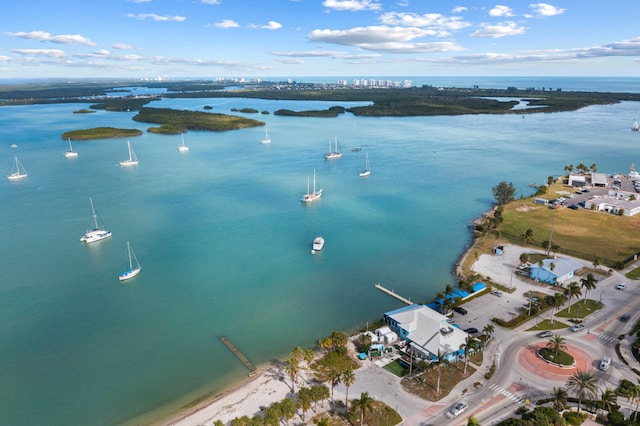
528	358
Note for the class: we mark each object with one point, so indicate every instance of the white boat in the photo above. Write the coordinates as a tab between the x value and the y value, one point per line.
97	232
635	127
71	153
266	139
182	147
336	153
312	196
19	171
13	145
134	267
318	244
367	171
133	159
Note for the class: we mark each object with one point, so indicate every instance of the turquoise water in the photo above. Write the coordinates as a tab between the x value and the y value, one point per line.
224	241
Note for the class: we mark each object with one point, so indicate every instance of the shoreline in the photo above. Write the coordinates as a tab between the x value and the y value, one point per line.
228	400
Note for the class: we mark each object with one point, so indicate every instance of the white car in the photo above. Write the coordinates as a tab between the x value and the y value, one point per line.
605	363
621	286
577	327
457	409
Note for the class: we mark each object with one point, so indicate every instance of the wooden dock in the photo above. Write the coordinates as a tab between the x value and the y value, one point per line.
393	294
252	368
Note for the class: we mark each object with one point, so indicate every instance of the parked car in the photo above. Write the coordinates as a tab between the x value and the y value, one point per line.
621	286
577	327
460	310
471	330
546	333
457	409
604	364
497	293
625	317
574	207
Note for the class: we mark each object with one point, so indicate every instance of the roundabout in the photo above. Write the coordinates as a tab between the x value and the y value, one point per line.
528	359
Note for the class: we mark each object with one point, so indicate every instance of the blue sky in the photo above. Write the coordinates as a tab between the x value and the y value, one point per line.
295	38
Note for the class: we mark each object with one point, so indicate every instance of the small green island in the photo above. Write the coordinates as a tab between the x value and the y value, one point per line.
177	121
100	133
84	111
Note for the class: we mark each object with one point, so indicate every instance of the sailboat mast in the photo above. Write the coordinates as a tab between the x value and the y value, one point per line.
129	250
93	214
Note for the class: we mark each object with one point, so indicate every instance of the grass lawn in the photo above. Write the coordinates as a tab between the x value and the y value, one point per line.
561	358
633	274
580	309
592	233
396	368
546	325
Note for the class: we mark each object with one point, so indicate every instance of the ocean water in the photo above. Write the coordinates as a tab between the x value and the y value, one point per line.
224	241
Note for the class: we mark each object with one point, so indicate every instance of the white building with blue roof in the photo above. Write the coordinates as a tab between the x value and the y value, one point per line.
555	271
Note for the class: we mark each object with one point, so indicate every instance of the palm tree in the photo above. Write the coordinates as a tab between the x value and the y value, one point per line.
608	398
583	384
469	343
473	421
304	401
555	302
335	377
573	290
524	258
540	265
588	283
440	359
556	343
634	396
559	398
348	378
448	289
363	404
292	369
287	409
488	330
527	236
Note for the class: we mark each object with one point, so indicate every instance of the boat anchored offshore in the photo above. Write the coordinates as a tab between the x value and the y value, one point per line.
19	172
318	244
133	159
367	170
98	232
635	127
267	138
134	265
336	153
182	147
71	153
312	196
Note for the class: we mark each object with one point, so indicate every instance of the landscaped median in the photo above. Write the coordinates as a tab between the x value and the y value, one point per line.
559	359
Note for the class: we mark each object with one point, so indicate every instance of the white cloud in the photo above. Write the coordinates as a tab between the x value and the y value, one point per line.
383	39
436	21
354	5
500	10
226	23
272	25
210	1
61	39
155	17
505	29
139	1
49	53
122	46
544	9
4	58
459	9
336	54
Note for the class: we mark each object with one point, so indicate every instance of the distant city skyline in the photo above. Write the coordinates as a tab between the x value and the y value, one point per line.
296	38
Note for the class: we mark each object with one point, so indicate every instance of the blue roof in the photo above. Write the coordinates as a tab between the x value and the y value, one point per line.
478	287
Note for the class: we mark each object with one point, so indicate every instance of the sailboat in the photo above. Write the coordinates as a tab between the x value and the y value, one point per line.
635	126
133	159
182	147
367	171
266	139
19	171
71	153
134	268
96	233
312	196
332	155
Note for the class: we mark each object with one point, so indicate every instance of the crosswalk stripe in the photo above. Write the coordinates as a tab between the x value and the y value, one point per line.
503	391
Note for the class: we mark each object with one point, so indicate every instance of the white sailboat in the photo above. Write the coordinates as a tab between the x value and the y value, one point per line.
336	153
133	159
266	139
19	171
71	153
96	233
134	268
182	147
635	126
367	170
312	196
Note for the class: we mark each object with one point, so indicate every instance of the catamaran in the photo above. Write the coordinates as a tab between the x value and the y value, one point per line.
332	155
134	269
266	139
367	171
71	153
312	196
97	233
19	171
133	159
182	147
